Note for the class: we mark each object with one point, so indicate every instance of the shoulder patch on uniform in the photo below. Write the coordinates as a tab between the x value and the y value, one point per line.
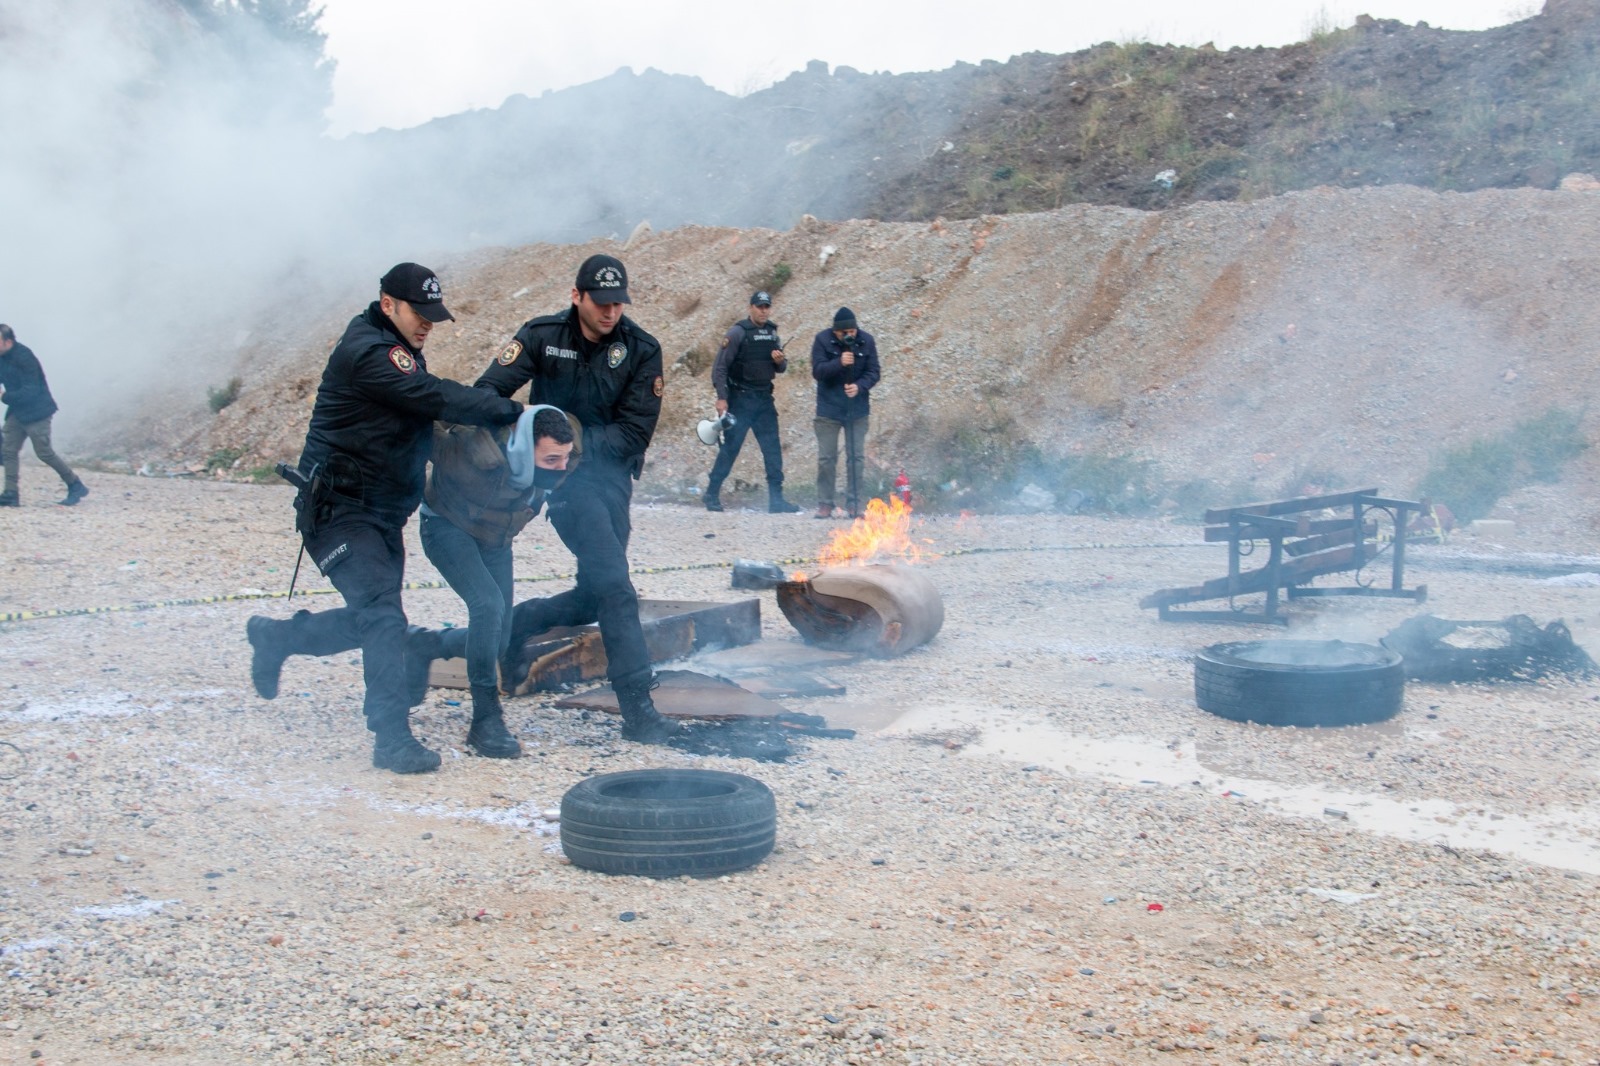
658	385
402	360
509	353
616	354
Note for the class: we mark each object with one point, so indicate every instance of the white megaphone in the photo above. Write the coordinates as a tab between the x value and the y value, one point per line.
710	430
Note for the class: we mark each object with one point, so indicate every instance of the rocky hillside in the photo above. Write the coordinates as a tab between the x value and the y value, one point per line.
1210	353
1131	125
1249	272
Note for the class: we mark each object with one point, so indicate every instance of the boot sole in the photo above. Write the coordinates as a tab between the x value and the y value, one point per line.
495	753
427	766
653	733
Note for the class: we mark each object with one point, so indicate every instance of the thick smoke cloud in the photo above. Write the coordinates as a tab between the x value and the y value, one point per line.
174	209
166	190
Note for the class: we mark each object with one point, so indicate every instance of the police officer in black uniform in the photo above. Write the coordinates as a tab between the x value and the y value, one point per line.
595	363
361	475
750	358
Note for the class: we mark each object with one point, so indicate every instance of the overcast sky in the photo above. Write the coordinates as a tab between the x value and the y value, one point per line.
402	62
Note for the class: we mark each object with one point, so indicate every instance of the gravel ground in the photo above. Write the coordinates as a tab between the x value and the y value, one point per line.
193	875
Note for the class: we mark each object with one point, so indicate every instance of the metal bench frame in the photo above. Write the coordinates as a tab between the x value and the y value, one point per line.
1300	549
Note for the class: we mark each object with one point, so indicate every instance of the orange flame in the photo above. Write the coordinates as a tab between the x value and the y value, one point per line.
885	530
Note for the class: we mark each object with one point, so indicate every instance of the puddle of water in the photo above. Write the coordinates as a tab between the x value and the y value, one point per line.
1564	838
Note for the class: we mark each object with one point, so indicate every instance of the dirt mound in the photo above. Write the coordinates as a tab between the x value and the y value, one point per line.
1328	336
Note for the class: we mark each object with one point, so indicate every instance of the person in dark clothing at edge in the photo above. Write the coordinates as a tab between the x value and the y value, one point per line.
29	408
484	487
750	358
844	360
595	363
363	464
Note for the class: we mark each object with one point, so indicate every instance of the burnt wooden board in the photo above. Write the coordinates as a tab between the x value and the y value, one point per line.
672	629
768	654
1290	571
1253	531
686	694
1290	506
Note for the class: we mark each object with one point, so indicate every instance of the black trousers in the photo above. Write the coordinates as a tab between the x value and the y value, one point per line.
753	412
365	559
591	517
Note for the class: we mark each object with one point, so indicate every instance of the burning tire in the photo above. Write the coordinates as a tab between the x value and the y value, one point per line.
1299	682
881	609
667	823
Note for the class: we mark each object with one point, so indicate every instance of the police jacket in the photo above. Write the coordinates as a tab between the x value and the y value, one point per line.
372	424
612	386
832	375
27	393
745	359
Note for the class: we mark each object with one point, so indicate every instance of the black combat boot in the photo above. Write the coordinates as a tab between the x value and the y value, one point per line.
9	499
268	649
489	736
422	647
640	719
776	504
273	640
75	492
396	749
713	497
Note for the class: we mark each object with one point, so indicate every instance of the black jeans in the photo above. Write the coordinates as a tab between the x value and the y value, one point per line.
752	411
365	559
591	517
481	576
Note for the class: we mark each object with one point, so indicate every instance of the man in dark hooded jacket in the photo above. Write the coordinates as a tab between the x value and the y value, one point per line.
29	408
844	361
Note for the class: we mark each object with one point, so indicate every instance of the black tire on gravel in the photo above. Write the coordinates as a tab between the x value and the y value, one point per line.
667	823
1299	682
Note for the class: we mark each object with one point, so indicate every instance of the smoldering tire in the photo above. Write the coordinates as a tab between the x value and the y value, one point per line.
1299	682
667	823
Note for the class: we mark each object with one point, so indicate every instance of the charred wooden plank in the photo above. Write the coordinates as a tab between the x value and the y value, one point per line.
686	694
1291	506
1347	535
672	628
1290	572
1252	531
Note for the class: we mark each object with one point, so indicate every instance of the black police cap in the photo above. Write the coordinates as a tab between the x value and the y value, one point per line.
605	279
419	287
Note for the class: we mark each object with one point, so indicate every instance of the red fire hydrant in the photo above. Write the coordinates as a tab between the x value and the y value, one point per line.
902	488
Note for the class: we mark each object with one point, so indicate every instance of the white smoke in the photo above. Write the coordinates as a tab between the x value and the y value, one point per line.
162	188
